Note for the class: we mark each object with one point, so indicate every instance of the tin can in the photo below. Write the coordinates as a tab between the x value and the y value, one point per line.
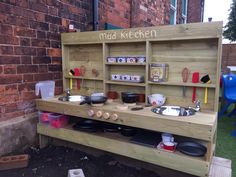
158	72
116	77
111	59
121	60
141	59
131	59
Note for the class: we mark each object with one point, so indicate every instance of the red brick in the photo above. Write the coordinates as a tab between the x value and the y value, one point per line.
39	25
54	36
57	75
53	19
15	20
2	89
25	60
11	89
40	42
43	76
41	60
43	68
58	90
28	95
41	34
22	3
12	162
37	16
9	60
53	11
6	99
26	87
6	29
54	52
56	60
11	107
10	69
41	52
28	78
38	6
53	28
25	51
6	50
10	79
1	69
54	68
27	69
26	32
24	41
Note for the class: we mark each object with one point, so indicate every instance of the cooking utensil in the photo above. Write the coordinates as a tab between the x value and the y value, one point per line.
129	97
195	79
94	100
87	125
95	74
185	75
206	80
192	148
128	131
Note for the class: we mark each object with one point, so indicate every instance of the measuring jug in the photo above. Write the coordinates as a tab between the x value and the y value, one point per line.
46	89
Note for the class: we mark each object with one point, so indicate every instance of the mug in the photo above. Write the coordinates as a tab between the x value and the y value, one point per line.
167	137
170	146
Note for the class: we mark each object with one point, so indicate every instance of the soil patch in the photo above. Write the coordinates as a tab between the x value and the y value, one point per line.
55	161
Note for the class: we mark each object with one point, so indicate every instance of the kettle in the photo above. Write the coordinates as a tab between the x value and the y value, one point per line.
46	89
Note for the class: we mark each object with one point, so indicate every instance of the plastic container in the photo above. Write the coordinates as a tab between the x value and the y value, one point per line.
58	120
44	117
46	89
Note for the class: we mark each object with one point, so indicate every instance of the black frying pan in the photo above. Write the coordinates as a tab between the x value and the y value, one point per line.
94	100
192	148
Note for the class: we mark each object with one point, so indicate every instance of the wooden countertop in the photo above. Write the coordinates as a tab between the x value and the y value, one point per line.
202	125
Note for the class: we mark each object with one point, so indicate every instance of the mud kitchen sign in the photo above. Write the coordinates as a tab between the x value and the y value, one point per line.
128	34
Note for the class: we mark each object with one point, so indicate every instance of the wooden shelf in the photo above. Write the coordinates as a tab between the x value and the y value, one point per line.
126	83
85	78
126	64
183	84
193	165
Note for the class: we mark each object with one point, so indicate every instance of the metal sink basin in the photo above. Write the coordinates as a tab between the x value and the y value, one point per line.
174	111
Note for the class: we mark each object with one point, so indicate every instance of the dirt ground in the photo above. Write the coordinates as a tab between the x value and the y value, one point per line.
55	161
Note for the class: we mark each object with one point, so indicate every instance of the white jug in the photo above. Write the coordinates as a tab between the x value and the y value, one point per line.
46	89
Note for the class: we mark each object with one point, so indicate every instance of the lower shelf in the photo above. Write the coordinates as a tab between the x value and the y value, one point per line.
120	145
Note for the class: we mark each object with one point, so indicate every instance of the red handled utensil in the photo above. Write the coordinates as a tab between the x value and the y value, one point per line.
195	79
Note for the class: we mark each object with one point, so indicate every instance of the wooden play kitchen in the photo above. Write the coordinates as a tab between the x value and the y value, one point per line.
154	60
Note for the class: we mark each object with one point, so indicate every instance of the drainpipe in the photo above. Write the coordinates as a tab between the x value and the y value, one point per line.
95	15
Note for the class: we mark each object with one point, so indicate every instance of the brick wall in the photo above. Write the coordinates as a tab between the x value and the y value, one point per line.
30	49
228	56
194	11
140	13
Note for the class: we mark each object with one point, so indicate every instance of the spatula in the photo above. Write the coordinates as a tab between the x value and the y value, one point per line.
195	79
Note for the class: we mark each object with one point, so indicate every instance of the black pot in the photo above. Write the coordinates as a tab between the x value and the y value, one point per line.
129	97
87	125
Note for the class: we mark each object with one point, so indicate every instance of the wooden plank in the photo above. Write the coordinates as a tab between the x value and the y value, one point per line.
172	32
151	155
197	126
220	167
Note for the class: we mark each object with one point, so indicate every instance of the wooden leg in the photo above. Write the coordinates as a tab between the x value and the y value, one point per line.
44	141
